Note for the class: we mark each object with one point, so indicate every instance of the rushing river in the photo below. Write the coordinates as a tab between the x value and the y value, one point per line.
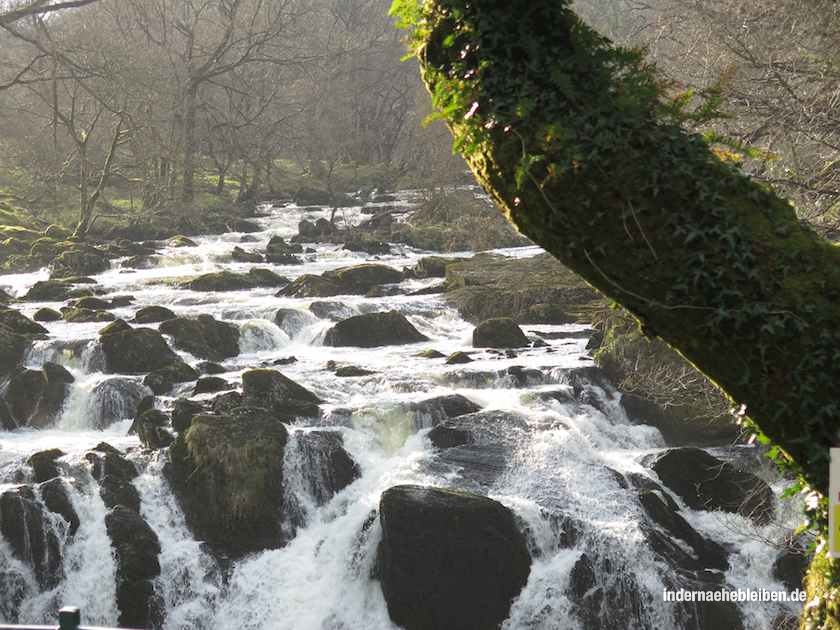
561	461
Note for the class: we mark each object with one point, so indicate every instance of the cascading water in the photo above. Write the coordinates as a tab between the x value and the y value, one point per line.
555	446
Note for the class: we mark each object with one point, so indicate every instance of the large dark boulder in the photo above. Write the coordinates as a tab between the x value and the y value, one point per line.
230	281
151	427
278	394
12	350
791	563
46	314
162	381
137	548
227	473
56	498
309	285
203	337
705	482
19	323
153	315
114	474
26	529
325	468
358	279
114	399
35	397
49	291
136	351
43	464
449	559
183	411
79	262
500	332
374	329
432	411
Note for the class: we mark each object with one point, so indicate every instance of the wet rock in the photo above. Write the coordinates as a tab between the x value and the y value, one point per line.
448	436
203	337
162	381
181	241
269	389
291	320
46	315
230	281
183	411
366	244
19	323
137	548
43	464
306	196
243	225
309	285
433	266
284	361
79	262
136	351
791	563
346	371
457	358
706	554
92	303
432	411
358	279
115	399
116	326
279	252
227	473
26	529
449	559
226	403
501	332
84	315
153	315
677	426
332	310
56	498
705	482
118	492
208	367
210	384
35	397
49	291
240	255
151	429
106	461
372	330
430	353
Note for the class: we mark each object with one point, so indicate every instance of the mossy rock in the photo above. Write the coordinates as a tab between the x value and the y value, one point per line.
47	315
153	315
309	285
136	351
500	332
358	279
227	473
374	329
19	323
49	291
181	241
79	262
162	380
76	315
203	337
271	390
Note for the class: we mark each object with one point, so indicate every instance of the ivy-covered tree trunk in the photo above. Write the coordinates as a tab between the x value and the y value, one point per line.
579	146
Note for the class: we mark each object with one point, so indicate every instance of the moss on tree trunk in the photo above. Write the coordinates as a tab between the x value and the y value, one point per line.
577	144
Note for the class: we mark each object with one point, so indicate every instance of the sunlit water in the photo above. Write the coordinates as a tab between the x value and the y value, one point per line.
321	579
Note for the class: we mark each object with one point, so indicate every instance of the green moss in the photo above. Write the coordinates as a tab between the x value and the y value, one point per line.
822	584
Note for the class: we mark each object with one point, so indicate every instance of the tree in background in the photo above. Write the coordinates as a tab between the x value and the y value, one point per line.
583	148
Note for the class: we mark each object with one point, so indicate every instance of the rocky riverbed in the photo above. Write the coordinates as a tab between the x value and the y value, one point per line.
309	426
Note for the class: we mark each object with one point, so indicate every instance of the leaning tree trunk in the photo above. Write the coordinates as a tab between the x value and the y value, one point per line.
577	145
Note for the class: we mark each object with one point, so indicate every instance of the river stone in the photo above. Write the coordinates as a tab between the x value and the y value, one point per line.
55	496
203	337
137	548
705	482
92	303
350	371
47	315
458	358
35	397
309	285
153	315
358	279
433	266
79	262
76	315
116	326
136	351
791	563
500	332
151	429
448	435
226	403
372	330
26	529
283	397
106	460
181	241
163	380
432	411
183	411
449	559
230	281
210	384
240	255
43	464
49	291
114	399
19	323
291	320
227	473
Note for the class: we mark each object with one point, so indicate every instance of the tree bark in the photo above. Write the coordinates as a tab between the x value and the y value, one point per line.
188	183
576	143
